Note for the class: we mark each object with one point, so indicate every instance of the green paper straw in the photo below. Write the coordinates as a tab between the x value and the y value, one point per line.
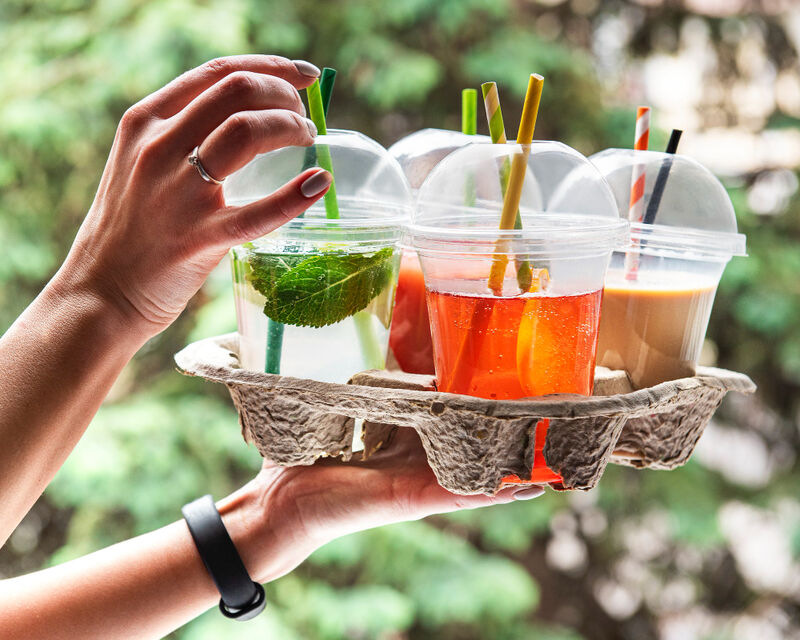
469	126
317	114
326	81
272	362
497	131
315	108
275	329
368	342
469	112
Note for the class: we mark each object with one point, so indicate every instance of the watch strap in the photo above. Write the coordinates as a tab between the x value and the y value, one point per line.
241	597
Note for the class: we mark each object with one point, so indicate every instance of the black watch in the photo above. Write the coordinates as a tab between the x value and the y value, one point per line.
241	597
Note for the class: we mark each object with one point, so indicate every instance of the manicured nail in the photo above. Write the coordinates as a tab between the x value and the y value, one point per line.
528	493
312	128
306	68
316	184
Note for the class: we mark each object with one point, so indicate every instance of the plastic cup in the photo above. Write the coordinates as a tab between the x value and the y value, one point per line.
410	340
419	152
659	291
314	298
538	335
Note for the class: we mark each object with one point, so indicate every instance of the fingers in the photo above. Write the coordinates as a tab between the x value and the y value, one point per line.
435	499
236	225
238	92
247	133
169	100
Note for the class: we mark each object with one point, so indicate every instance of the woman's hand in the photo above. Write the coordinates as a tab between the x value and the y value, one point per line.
156	228
148	586
287	512
154	232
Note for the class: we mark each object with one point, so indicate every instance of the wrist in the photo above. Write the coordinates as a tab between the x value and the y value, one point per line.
263	526
75	286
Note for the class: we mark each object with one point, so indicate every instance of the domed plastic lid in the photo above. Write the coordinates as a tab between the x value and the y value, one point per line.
419	152
565	204
686	211
370	186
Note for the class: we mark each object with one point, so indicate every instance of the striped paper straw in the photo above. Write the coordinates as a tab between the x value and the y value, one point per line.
497	131
516	177
636	206
491	101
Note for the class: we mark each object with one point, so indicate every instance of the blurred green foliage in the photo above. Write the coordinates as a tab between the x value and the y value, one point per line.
71	68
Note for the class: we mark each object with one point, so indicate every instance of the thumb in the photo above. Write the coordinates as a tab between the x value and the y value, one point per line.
243	224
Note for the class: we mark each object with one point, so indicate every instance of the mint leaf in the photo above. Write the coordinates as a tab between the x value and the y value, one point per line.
319	290
266	269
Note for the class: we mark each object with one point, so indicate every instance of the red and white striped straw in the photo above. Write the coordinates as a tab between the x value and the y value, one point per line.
636	206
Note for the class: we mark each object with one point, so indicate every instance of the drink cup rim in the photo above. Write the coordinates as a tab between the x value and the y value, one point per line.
685	242
542	234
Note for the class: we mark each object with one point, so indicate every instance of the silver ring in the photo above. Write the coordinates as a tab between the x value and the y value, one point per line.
194	160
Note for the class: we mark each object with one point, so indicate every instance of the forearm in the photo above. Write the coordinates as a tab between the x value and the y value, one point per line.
140	588
145	587
57	363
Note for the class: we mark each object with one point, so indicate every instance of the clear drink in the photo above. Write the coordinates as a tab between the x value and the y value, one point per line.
332	352
314	297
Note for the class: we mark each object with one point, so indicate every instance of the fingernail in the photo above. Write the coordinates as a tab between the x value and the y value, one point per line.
528	493
312	128
306	68
315	184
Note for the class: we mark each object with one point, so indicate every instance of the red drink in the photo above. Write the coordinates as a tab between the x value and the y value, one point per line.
508	348
410	339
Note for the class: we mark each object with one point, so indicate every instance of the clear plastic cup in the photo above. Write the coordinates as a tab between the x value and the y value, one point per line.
533	330
419	152
314	298
660	290
410	340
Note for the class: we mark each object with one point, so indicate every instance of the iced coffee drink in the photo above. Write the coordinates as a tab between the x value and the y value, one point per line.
652	330
660	289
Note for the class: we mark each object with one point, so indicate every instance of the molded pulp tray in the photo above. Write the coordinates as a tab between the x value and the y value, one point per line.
471	443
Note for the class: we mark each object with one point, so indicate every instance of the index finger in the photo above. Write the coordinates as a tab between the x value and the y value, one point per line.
172	98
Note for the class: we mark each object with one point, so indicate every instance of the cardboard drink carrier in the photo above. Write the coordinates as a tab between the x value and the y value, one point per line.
474	444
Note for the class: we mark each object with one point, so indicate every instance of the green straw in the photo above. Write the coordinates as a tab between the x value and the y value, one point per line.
317	114
469	126
326	89
469	112
374	357
497	131
326	81
272	362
